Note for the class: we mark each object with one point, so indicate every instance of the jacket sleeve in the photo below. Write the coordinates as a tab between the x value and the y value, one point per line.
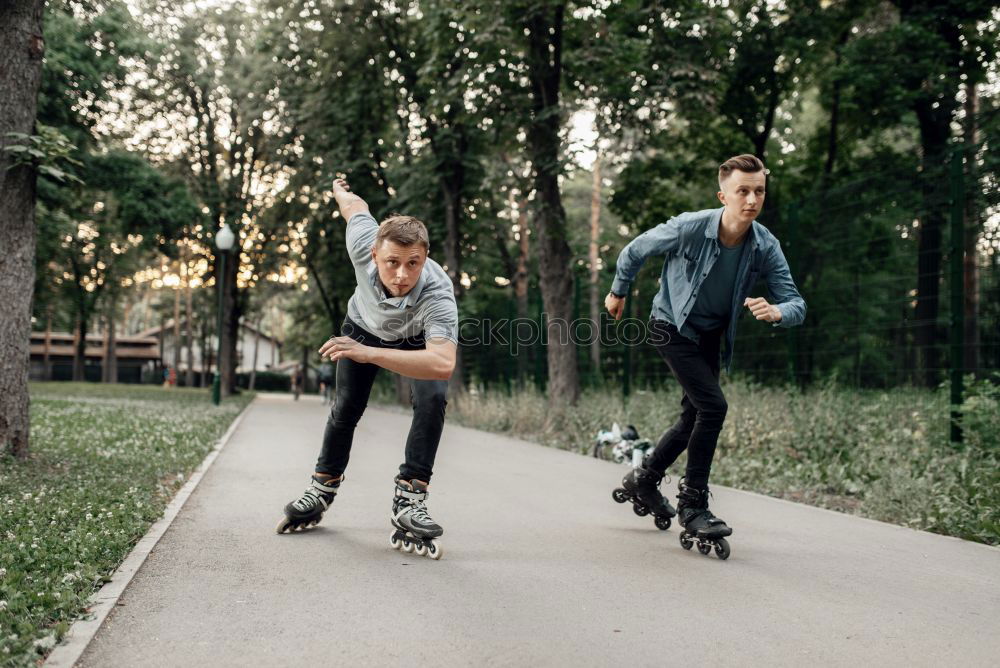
784	294
660	240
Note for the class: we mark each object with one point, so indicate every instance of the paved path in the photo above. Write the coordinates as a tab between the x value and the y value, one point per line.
541	568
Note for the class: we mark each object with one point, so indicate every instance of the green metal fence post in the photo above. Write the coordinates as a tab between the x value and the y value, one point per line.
957	291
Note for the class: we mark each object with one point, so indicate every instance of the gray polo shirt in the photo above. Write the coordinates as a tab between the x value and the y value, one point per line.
428	309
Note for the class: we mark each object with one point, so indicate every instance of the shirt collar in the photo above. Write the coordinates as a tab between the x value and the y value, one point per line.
712	229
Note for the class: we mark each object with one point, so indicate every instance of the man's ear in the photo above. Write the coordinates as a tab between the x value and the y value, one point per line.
722	196
374	256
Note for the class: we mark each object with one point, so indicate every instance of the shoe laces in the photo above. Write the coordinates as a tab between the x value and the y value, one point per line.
310	499
417	510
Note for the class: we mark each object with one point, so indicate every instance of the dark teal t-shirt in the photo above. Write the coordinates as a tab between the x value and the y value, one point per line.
715	296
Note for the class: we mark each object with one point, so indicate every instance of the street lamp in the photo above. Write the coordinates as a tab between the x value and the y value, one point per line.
224	239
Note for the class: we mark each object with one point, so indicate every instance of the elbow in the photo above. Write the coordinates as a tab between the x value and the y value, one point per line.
445	370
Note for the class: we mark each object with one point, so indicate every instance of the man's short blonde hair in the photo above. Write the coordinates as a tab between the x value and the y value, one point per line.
744	163
403	230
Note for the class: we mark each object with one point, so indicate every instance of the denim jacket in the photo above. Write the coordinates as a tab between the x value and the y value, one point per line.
690	243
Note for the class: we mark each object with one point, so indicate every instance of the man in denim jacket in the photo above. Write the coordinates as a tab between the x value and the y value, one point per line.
713	259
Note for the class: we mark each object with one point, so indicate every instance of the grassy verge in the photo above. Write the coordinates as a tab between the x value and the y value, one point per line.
105	460
878	454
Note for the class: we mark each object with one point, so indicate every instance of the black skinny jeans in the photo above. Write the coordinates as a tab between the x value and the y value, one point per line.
703	406
354	386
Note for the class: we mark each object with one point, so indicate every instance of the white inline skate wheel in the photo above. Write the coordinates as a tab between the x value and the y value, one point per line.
407	546
394	542
434	551
421	550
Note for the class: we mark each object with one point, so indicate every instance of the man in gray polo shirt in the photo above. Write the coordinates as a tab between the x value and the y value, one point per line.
713	260
402	317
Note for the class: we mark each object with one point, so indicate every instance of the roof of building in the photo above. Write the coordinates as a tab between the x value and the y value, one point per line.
63	344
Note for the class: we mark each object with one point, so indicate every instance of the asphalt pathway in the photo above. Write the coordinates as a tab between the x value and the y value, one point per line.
541	568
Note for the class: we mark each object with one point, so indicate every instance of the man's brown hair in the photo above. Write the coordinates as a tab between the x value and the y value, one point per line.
403	230
744	163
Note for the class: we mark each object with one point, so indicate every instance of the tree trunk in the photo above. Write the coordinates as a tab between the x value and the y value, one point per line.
973	228
451	188
521	282
188	317
935	132
831	144
521	277
80	350
256	347
595	274
163	340
46	361
22	46
206	361
111	352
177	334
545	27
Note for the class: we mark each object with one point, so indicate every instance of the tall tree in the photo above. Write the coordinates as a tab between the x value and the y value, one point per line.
543	24
23	46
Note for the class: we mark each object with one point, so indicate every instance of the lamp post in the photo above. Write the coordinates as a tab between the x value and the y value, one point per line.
224	239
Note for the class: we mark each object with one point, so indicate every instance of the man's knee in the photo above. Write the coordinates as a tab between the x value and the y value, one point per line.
430	395
347	408
713	409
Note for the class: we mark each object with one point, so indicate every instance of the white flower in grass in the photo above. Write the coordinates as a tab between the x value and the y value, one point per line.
3	572
3	605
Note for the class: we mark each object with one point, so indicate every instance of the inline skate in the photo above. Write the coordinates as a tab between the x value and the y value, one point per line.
415	530
641	486
700	525
307	511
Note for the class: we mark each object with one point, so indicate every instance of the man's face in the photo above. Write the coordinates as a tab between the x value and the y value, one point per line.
743	194
399	266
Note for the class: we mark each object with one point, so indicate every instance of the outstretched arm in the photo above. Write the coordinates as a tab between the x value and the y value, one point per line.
435	362
349	203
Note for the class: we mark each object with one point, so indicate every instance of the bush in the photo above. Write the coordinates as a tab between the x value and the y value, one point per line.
266	381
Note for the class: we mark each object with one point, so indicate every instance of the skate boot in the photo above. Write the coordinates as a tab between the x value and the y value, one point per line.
641	486
415	530
308	510
700	525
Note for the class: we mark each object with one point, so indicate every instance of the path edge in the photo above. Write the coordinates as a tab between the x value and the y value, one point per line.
103	601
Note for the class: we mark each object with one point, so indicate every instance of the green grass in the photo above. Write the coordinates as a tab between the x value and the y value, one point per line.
105	461
885	455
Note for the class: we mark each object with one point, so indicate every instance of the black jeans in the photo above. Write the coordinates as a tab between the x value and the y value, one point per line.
703	406
354	386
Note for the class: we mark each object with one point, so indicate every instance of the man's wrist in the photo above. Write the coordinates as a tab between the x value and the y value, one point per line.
616	295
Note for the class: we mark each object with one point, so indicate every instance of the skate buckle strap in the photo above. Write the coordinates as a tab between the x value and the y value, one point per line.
329	489
413	496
